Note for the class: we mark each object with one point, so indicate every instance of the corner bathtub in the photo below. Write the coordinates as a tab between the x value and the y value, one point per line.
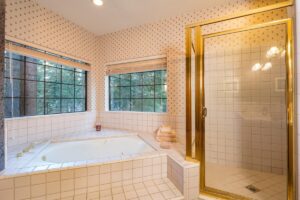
97	149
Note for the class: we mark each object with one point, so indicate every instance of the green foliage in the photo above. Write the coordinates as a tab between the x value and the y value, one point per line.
142	91
148	78
79	78
68	76
137	92
52	90
137	79
125	92
67	105
125	80
148	105
37	87
148	91
136	105
68	91
79	105
53	74
52	106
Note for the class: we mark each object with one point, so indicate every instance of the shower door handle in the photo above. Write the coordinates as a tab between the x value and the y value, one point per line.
204	112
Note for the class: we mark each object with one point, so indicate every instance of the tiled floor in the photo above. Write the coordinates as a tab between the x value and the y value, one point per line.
158	189
235	180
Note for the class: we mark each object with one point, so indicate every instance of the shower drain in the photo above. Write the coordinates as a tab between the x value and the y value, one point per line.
252	188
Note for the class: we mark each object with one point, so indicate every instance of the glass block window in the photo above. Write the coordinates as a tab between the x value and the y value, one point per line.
140	92
38	87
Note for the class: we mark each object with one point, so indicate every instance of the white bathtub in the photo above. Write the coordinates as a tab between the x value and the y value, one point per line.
92	149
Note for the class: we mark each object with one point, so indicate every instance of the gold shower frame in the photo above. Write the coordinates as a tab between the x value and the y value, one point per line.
198	47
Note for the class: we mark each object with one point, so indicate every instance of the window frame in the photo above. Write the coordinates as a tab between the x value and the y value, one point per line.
10	57
142	98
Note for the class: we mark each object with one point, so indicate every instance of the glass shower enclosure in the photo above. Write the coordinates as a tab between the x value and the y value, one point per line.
240	110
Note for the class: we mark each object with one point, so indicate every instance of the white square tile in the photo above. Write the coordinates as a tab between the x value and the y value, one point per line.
53	176
152	189
6	184
105	193
116	176
116	166
7	194
105	169
22	181
67	185
67	174
141	192
93	170
38	179
53	187
93	180
157	196
80	172
105	178
81	182
22	193
38	190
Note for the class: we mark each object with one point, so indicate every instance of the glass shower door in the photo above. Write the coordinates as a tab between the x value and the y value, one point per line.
246	134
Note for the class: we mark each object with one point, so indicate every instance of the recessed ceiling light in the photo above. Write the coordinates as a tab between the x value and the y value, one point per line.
98	2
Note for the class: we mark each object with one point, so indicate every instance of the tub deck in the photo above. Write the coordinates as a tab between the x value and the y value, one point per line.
29	163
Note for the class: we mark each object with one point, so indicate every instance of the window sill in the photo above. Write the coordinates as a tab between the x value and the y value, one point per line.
136	112
47	116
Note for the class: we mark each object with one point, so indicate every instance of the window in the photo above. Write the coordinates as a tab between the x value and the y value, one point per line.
38	87
141	92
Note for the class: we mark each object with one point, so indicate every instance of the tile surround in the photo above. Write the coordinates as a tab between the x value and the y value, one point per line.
143	122
91	177
183	174
95	182
26	130
246	123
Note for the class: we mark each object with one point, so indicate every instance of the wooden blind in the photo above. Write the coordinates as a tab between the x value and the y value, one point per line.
138	65
45	56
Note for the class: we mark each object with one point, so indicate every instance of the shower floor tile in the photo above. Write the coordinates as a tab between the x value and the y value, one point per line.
235	180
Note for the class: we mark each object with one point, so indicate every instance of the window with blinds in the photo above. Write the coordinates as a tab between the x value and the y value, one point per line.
139	86
33	86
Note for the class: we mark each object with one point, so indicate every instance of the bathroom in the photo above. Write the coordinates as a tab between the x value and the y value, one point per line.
106	99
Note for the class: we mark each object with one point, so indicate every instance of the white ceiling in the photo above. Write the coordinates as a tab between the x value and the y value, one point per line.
115	15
